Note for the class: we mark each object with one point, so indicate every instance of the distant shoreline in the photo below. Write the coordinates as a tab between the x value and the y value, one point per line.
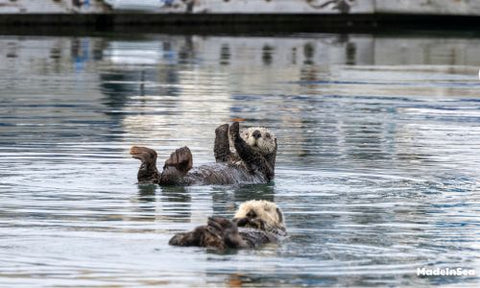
236	23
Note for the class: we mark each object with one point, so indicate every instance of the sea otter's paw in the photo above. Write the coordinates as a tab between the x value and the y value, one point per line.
250	223
181	159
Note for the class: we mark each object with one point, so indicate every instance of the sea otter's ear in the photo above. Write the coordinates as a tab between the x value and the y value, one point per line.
280	215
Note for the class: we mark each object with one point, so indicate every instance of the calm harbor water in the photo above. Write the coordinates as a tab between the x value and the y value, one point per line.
377	171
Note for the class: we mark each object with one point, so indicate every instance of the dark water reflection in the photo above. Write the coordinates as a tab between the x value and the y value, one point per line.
377	168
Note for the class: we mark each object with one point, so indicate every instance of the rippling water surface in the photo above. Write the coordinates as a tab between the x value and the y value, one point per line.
377	171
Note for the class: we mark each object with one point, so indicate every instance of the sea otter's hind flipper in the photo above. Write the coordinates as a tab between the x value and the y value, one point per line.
147	173
228	231
176	167
221	148
143	154
202	236
181	159
183	239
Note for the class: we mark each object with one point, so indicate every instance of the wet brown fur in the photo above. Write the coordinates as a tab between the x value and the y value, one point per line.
247	164
251	230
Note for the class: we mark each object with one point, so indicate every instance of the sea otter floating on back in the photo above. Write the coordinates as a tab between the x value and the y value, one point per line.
246	157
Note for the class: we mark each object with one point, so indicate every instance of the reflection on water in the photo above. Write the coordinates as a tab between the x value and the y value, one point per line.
377	168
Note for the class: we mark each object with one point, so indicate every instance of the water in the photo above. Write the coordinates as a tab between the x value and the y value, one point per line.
377	171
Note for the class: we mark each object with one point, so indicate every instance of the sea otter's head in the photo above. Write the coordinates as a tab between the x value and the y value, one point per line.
260	214
260	139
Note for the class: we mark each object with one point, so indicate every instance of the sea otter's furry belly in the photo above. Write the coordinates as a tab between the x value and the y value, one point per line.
221	174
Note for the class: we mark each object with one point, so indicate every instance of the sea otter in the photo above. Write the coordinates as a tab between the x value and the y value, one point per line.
255	223
247	157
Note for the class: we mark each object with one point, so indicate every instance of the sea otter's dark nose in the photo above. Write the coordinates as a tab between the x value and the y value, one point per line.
256	134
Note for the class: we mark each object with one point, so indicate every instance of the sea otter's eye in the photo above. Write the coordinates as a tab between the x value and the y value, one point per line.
268	135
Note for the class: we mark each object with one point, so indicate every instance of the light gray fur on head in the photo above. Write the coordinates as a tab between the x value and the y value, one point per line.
265	210
265	144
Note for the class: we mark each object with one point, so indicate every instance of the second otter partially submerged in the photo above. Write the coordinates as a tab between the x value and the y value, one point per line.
250	160
255	223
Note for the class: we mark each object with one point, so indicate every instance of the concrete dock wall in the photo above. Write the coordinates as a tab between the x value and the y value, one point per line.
436	7
235	16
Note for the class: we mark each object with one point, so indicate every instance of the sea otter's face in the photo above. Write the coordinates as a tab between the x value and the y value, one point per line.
260	214
260	139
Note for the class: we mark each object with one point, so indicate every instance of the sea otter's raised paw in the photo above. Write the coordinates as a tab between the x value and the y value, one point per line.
181	159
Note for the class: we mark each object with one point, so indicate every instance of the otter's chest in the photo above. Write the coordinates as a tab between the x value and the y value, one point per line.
223	173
